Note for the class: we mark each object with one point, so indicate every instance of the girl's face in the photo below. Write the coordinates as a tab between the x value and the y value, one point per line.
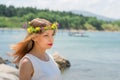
46	39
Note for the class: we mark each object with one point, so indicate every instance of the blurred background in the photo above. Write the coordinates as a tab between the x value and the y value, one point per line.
88	34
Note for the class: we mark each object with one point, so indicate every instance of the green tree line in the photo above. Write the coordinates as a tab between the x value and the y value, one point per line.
11	17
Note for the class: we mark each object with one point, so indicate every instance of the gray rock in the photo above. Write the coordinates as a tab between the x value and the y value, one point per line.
8	72
8	76
1	60
62	62
4	61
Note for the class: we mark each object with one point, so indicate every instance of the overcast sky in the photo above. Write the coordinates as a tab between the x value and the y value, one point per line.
108	8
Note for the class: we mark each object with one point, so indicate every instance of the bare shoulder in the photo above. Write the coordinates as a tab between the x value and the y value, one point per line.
25	62
26	69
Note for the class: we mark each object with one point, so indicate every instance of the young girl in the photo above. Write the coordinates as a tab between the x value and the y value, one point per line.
34	62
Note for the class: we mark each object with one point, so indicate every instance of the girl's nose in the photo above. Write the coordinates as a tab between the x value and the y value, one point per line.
51	39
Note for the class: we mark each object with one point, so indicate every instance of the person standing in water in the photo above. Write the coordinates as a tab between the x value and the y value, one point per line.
34	62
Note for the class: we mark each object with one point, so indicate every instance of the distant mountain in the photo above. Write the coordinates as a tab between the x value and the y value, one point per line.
85	13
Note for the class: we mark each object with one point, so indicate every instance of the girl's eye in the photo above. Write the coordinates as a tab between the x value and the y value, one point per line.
45	35
53	34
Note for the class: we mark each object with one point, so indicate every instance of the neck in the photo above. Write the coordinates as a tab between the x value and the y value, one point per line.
38	51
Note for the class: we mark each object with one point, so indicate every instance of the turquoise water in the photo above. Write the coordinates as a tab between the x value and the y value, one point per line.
96	57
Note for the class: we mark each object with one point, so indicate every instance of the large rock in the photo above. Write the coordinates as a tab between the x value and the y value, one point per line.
62	62
1	60
4	61
7	76
8	73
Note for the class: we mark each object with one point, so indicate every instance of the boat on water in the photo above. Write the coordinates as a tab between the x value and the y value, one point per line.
78	34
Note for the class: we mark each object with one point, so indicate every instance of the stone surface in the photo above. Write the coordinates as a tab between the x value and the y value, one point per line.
61	61
8	72
1	60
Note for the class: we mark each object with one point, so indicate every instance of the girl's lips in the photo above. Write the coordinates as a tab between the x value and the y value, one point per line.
50	44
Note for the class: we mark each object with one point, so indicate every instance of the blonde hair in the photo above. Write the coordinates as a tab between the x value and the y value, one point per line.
25	46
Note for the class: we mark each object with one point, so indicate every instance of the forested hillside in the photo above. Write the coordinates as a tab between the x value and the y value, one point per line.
14	17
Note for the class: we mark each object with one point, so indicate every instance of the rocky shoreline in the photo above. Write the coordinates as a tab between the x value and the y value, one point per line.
8	72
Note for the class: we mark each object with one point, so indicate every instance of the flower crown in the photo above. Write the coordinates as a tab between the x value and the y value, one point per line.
32	29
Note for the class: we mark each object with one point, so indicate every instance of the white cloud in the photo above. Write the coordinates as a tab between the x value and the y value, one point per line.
109	8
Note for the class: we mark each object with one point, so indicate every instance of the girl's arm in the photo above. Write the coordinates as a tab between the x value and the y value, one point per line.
26	70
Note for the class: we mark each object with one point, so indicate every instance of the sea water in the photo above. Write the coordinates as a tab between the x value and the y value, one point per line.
95	57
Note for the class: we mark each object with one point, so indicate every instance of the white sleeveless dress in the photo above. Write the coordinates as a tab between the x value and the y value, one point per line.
44	70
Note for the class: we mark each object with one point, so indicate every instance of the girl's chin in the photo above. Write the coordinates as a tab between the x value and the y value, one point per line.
49	47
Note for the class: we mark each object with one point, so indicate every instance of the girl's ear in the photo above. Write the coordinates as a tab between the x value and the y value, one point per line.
35	38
